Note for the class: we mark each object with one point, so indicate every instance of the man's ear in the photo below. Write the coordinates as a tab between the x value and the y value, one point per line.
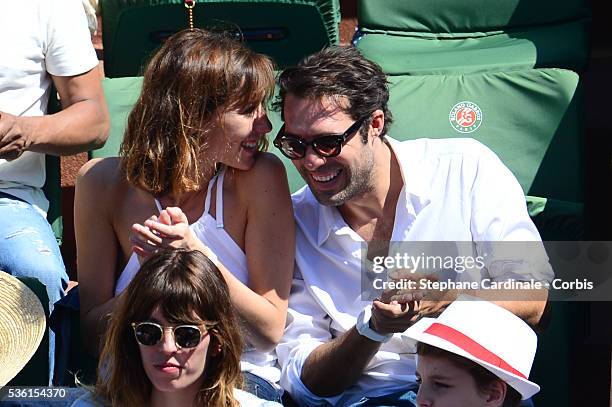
378	122
496	393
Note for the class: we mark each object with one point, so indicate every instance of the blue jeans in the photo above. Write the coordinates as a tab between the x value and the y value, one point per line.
404	398
261	387
28	249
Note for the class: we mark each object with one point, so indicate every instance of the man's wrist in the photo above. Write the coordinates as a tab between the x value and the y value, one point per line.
364	329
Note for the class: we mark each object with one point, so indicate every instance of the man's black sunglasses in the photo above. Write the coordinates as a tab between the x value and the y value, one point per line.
328	145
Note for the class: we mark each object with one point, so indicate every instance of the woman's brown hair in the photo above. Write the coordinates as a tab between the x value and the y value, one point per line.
189	83
182	284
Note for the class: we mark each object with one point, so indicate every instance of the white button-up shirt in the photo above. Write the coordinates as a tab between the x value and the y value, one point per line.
454	190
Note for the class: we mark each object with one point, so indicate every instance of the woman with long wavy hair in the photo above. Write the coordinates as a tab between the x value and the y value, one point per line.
192	174
173	339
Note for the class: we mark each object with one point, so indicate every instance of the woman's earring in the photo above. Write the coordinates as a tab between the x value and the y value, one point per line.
217	350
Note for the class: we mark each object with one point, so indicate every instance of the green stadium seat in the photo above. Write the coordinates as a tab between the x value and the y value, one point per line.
121	94
403	54
468	16
286	30
531	118
440	37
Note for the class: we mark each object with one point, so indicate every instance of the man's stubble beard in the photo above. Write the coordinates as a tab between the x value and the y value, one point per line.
361	181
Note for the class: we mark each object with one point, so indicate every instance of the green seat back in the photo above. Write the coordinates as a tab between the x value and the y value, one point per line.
468	16
286	30
293	176
532	119
121	94
444	36
562	45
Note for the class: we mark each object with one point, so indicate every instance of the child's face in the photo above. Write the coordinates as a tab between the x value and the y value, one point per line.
445	384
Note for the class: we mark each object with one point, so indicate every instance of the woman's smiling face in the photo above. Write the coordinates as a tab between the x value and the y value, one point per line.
235	139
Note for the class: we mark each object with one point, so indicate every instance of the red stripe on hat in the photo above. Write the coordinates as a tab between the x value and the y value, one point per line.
470	346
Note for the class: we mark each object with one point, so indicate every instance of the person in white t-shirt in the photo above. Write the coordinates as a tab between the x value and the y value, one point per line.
42	42
364	192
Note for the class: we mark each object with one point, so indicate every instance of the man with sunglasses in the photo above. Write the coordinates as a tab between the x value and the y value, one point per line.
365	190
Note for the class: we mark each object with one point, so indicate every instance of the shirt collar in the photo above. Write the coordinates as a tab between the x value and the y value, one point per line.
416	196
414	167
329	220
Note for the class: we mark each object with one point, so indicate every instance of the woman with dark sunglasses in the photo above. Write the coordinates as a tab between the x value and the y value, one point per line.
192	174
173	339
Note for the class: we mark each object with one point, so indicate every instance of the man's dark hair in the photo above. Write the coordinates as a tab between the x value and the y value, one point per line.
338	72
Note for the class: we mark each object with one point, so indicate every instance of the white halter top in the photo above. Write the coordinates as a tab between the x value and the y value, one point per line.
213	235
210	232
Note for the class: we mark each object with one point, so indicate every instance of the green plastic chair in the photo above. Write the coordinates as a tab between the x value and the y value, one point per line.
445	36
532	119
286	30
121	94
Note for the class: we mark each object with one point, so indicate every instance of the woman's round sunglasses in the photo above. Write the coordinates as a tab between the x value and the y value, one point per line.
185	336
326	145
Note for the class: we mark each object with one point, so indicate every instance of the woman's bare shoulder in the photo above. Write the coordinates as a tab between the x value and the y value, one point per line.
101	178
265	182
268	169
104	170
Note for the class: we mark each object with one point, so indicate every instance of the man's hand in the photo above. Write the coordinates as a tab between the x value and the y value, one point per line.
412	290
14	139
430	303
394	317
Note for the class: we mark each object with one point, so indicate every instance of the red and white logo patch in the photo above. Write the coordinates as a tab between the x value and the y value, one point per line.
465	117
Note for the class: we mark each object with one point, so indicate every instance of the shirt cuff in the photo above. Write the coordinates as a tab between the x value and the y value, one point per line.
291	377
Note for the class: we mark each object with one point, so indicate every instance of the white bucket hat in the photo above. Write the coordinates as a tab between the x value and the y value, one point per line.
22	326
486	334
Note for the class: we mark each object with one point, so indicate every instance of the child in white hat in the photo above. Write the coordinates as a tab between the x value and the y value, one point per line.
475	354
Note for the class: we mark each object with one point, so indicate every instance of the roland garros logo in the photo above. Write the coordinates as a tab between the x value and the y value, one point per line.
465	117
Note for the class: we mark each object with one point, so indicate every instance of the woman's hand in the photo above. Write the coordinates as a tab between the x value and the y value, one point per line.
169	230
